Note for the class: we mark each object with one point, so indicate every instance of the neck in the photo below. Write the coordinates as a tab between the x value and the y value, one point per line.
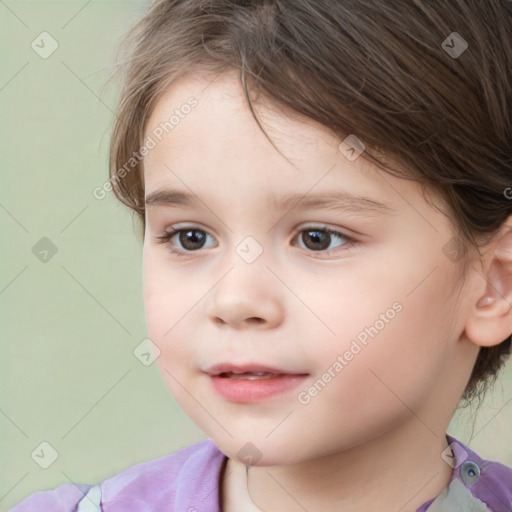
398	471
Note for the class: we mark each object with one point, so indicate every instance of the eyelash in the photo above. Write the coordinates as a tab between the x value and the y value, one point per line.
166	239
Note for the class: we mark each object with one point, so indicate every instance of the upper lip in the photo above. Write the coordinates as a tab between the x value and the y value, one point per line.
249	367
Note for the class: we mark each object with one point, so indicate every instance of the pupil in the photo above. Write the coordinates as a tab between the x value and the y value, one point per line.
320	238
191	237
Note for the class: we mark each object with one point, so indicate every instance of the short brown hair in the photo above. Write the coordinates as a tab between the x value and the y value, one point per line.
427	82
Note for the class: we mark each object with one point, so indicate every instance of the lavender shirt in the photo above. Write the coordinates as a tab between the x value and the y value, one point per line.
188	481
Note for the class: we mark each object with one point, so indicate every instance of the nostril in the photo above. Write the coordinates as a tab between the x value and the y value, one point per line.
256	320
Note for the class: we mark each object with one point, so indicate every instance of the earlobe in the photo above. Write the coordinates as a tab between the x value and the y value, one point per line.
490	320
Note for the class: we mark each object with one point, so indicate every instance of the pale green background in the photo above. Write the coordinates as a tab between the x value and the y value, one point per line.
69	326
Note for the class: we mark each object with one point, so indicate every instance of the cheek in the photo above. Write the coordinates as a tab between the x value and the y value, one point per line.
167	303
376	390
167	328
393	335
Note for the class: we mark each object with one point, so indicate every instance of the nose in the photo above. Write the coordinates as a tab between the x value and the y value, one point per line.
247	296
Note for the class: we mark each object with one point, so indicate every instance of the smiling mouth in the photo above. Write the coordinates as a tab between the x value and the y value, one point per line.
254	386
251	375
228	370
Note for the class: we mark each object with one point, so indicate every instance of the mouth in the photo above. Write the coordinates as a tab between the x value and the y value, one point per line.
250	375
250	370
252	383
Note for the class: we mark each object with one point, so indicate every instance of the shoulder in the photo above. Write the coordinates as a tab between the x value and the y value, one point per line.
63	498
489	481
184	480
494	487
188	479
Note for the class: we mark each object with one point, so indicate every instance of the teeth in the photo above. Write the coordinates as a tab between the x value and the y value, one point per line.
245	373
249	375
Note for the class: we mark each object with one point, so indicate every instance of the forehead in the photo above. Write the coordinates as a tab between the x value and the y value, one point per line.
222	109
221	126
217	148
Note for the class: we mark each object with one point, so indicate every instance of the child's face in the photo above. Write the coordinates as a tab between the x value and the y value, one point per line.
300	304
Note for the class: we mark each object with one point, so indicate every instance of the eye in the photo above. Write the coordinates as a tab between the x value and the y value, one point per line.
189	240
320	239
186	240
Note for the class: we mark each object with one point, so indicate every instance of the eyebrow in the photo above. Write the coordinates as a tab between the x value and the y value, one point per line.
336	201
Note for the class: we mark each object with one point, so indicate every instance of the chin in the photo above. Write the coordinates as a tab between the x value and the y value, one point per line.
260	453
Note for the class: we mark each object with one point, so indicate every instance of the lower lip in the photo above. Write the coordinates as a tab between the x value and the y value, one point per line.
250	391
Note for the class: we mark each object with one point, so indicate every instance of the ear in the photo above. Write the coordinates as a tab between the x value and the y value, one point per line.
490	319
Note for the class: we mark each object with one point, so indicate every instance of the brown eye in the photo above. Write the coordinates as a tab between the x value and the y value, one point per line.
191	239
185	240
316	239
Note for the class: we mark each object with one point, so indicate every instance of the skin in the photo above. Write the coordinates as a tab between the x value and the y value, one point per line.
382	420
